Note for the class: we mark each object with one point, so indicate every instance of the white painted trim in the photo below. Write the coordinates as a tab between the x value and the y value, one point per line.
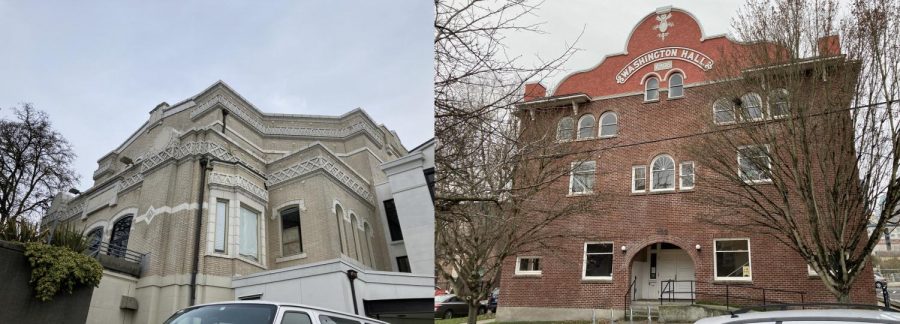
559	126
580	119
527	272
584	275
647	90
734	116
572	167
600	124
681	175
676	70
762	109
716	261
633	179
669	85
651	177
769	164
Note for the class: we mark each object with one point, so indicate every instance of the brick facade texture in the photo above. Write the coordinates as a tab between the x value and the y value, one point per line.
637	220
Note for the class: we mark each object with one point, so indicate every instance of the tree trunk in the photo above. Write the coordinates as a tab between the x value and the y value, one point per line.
844	296
473	312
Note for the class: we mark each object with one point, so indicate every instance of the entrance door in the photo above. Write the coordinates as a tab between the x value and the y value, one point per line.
675	264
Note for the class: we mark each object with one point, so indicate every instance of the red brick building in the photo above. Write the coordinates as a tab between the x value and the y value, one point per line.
642	104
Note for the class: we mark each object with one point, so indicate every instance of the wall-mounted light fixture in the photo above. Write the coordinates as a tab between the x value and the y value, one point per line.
697	247
624	248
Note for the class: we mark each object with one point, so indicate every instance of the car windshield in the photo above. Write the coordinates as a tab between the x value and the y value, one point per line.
442	298
225	313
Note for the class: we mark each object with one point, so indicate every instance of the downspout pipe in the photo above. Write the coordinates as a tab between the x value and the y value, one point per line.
195	269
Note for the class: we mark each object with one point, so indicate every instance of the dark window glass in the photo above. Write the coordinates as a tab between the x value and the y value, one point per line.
732	259
598	260
291	235
295	318
226	313
390	211
429	179
403	264
119	241
93	238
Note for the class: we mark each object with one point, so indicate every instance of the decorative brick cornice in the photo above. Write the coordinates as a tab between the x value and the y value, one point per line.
239	182
330	166
258	125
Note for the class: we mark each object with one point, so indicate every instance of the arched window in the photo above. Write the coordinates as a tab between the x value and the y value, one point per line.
339	215
778	103
676	85
723	111
291	232
353	224
651	89
662	175
565	129
93	238
118	242
609	124
586	127
751	107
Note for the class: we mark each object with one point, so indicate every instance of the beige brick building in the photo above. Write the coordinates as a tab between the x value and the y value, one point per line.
280	198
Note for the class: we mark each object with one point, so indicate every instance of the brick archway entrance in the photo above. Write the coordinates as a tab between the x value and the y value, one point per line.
662	267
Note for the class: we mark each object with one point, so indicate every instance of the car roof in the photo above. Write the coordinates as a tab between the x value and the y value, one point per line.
263	302
808	315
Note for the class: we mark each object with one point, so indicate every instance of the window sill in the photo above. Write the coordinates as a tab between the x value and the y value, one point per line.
399	242
691	189
597	280
661	192
734	281
585	139
757	182
527	275
250	261
675	98
651	101
302	255
581	194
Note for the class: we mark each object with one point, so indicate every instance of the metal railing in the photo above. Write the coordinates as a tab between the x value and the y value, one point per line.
115	251
631	293
669	291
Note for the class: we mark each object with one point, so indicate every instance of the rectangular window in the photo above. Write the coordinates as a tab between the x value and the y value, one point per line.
754	163
598	260
390	211
687	175
582	177
221	222
291	233
429	180
249	234
638	178
732	259
293	317
528	266
403	264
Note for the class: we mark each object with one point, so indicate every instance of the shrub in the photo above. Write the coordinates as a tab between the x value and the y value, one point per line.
56	268
20	231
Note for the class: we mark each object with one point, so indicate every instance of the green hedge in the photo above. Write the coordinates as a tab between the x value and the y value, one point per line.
56	268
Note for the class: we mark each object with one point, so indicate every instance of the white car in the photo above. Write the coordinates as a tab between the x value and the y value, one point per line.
261	312
807	316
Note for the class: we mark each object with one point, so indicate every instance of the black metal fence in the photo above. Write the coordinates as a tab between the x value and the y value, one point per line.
115	251
729	294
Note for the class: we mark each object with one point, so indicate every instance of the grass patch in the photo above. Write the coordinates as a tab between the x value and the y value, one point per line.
458	320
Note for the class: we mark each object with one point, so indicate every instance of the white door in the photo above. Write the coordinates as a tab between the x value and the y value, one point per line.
675	264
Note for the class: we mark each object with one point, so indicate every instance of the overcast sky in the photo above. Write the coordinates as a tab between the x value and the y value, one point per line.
98	68
606	26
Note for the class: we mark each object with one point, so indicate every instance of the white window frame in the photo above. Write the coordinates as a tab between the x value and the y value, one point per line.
768	165
224	234
744	101
647	88
572	178
734	115
633	178
682	176
591	125
674	173
559	127
680	85
259	237
612	252
769	103
809	271
527	272
716	260
600	124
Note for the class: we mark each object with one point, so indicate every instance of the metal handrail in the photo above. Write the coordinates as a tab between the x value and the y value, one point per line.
115	251
628	292
668	288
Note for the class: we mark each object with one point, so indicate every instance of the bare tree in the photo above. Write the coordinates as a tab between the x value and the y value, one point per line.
490	171
803	146
35	164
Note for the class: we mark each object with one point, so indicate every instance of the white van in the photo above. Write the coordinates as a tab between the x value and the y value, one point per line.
261	312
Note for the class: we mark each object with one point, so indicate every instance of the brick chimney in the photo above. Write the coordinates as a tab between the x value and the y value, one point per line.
534	91
829	45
